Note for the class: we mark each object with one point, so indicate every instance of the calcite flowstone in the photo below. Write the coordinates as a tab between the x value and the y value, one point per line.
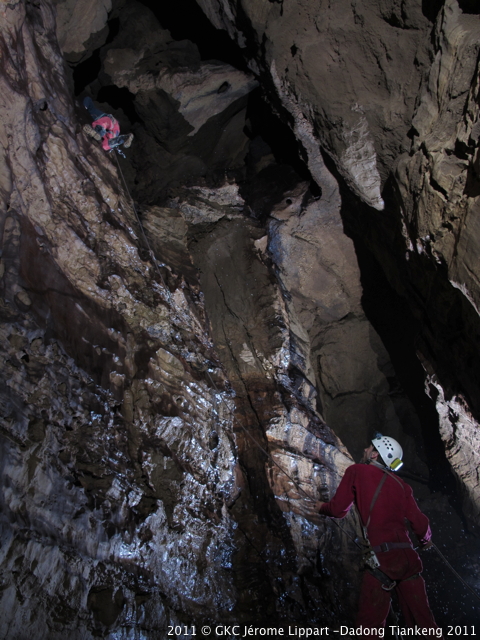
136	491
391	94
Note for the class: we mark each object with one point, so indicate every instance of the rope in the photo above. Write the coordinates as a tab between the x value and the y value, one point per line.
257	444
455	572
150	252
152	255
259	553
298	487
211	380
269	456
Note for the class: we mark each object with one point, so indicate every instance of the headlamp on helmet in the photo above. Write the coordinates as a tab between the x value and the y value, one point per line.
389	450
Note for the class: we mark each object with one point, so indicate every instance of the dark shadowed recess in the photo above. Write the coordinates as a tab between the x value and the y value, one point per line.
392	320
430	8
119	98
469	6
391	317
261	121
268	134
186	21
387	312
87	71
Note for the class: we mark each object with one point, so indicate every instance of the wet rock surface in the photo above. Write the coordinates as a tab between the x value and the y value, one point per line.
391	95
134	493
181	369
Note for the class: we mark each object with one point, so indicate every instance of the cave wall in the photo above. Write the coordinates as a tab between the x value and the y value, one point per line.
191	126
89	330
389	91
165	404
133	495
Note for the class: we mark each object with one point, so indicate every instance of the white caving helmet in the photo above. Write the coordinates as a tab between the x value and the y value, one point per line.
390	451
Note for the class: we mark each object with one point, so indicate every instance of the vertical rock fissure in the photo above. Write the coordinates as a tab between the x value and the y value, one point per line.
132	495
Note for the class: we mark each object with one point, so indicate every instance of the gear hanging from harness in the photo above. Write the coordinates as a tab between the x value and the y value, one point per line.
370	553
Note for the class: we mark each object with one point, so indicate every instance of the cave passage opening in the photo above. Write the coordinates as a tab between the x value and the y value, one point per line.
186	21
390	315
384	308
87	71
392	320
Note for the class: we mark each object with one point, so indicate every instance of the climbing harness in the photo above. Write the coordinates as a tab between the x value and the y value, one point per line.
387	546
370	555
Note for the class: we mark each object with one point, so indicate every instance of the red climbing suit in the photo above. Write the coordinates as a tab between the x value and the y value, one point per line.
111	128
393	505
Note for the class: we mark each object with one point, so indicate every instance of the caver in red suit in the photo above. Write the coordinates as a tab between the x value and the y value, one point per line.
393	505
109	130
105	128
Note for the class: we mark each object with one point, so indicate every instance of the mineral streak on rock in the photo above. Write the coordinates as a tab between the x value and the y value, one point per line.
178	379
392	96
132	480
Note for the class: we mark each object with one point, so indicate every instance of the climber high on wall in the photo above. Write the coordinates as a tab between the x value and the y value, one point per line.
105	128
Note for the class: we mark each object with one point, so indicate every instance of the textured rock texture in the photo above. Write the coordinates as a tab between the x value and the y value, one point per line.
389	91
178	374
134	490
439	208
81	26
190	114
347	71
91	485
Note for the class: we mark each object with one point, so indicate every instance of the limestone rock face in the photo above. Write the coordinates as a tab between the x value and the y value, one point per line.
83	467
390	93
190	113
145	471
81	26
344	358
201	93
439	207
350	70
186	370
